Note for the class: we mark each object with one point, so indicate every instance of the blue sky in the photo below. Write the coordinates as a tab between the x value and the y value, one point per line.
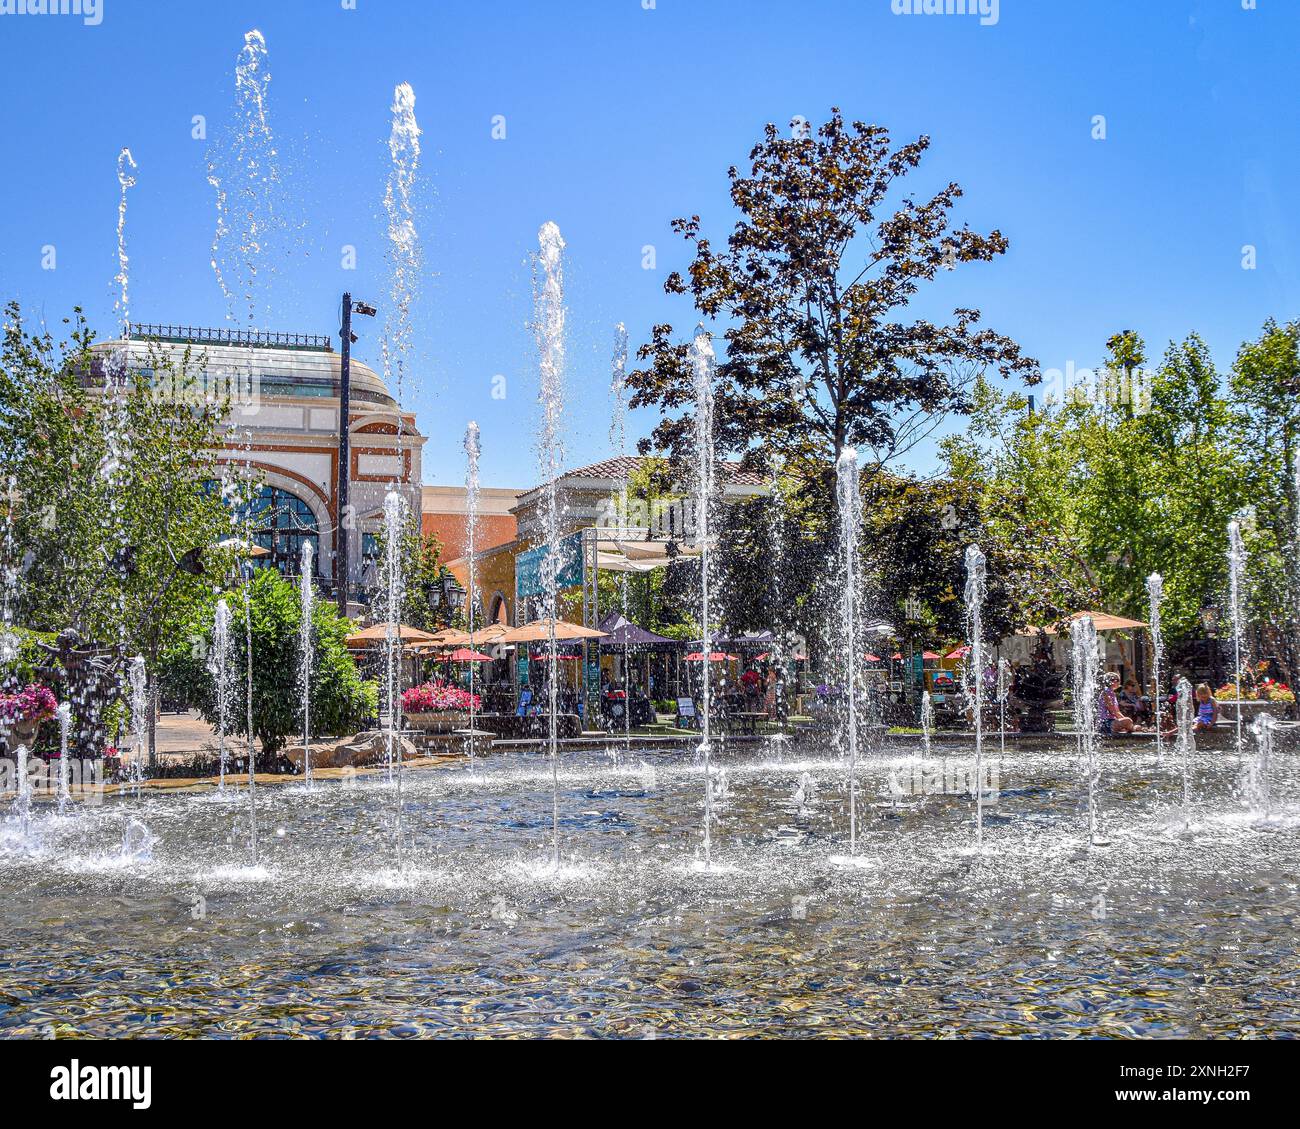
619	118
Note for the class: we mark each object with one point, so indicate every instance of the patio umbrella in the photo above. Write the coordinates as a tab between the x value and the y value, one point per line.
239	545
960	653
539	631
378	633
1102	621
714	657
465	655
872	658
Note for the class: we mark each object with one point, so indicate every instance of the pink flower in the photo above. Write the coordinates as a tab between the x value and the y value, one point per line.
34	703
436	697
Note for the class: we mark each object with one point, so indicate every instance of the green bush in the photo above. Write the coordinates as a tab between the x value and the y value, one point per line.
341	701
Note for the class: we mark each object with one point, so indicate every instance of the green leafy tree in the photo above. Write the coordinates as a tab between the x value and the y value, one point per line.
815	287
341	701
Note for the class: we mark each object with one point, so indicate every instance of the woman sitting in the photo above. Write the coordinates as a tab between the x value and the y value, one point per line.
1111	721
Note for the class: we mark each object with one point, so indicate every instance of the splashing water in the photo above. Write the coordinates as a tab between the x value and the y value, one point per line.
394	526
243	172
848	496
1155	596
64	714
702	361
1258	784
1086	662
307	599
1004	689
139	683
618	441
974	595
219	669
927	720
1185	713
472	452
1236	575
548	329
404	254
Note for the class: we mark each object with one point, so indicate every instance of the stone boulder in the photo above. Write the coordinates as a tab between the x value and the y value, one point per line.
367	748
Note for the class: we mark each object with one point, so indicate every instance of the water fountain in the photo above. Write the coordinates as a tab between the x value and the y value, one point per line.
472	451
848	495
548	329
138	681
394	527
618	440
927	721
219	668
307	602
1085	664
1236	575
1155	594
1185	712
248	702
702	361
64	714
1004	688
1259	793
974	596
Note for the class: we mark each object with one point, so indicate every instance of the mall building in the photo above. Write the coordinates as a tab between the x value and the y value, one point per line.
284	423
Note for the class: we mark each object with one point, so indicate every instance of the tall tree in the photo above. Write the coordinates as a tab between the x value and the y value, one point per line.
814	287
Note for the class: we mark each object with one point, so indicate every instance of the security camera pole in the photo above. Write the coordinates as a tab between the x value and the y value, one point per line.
341	570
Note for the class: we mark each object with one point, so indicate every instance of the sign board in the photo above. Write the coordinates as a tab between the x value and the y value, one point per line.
685	707
525	699
521	667
529	580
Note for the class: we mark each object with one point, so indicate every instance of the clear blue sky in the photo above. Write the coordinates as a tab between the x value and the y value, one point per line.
619	118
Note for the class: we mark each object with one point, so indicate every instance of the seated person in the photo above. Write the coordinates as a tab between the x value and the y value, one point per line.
1131	701
1207	709
1111	722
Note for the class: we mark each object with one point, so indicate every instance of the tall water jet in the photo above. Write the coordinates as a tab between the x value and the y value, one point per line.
1155	596
1236	575
1185	714
1259	791
138	681
472	451
24	792
307	602
848	496
618	441
403	249
219	668
1085	665
64	714
248	701
243	172
974	595
927	720
394	526
702	361
1004	689
548	329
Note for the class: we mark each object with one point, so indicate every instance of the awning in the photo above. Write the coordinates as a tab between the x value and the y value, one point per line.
378	633
539	631
621	631
1102	621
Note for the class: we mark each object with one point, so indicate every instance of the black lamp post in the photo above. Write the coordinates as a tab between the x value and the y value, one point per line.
342	548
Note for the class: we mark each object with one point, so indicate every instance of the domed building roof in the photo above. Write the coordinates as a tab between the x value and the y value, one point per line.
280	365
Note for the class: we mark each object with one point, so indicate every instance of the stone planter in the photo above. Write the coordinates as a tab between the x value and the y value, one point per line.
1251	710
440	721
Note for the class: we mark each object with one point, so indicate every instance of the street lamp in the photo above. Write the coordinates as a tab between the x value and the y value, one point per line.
348	339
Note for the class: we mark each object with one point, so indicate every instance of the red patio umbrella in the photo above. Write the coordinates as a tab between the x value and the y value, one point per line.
465	655
960	653
714	657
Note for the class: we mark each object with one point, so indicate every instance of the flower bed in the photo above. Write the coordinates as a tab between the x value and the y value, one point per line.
438	697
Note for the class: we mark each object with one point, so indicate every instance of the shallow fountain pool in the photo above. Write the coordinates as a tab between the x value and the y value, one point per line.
139	917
